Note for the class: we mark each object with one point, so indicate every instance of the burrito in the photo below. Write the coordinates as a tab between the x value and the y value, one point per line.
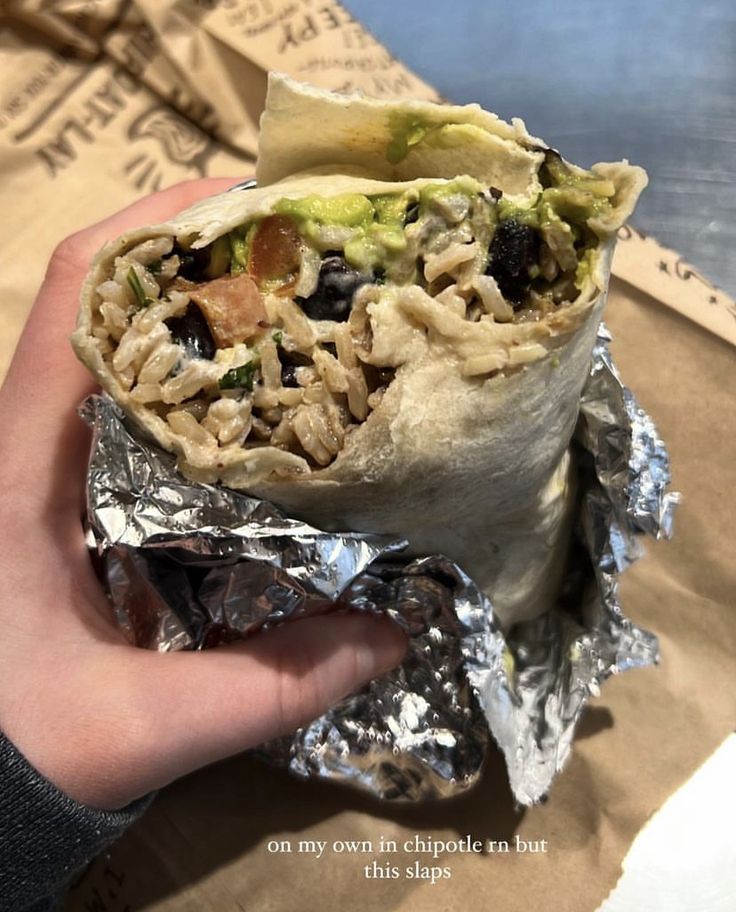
389	333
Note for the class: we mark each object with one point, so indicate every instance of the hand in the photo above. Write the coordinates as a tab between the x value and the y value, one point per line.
104	721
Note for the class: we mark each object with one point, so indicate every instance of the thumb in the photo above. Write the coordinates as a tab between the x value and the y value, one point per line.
194	708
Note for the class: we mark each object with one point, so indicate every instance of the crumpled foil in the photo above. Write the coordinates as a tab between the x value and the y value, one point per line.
189	566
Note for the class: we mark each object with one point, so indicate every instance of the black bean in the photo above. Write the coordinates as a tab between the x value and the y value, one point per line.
193	264
411	214
192	332
336	286
514	248
288	375
289	363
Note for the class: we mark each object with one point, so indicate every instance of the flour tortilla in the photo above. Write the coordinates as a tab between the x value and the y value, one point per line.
475	468
304	129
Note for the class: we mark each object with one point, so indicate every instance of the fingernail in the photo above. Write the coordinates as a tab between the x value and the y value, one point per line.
243	185
382	648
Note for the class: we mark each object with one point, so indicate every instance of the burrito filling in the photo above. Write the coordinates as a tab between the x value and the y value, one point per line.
286	332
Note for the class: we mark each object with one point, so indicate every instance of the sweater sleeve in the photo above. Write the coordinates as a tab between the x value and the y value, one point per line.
45	836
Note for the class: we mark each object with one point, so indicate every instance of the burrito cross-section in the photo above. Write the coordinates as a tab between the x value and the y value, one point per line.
389	334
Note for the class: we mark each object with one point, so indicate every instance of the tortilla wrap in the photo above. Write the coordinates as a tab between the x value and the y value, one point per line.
463	447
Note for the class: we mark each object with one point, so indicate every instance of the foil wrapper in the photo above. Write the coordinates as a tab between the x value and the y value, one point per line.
189	566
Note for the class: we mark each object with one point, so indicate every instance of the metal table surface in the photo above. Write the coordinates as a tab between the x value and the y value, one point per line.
653	81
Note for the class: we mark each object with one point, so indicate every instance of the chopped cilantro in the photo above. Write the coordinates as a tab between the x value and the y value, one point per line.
135	283
278	337
239	377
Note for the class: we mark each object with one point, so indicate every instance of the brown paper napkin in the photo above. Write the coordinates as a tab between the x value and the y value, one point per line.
101	102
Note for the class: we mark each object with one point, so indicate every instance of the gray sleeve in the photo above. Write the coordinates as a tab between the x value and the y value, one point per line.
45	836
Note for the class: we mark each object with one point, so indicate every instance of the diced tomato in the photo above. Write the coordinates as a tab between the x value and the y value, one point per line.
274	253
233	308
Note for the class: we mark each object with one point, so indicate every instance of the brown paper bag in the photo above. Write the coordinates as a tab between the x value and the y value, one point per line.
103	101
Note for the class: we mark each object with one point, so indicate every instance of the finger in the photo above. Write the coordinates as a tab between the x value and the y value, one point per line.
196	708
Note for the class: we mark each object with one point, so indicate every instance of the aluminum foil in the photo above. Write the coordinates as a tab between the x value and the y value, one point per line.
191	566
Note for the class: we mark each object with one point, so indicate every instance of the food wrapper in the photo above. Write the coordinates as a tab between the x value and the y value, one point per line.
189	566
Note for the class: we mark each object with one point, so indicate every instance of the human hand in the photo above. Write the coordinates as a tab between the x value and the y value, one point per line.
102	720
